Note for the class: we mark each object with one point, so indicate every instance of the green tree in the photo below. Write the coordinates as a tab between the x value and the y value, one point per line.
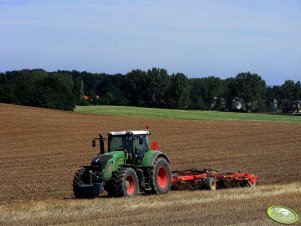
28	88
297	105
251	90
156	87
230	92
196	100
212	92
57	92
135	85
179	91
290	96
7	88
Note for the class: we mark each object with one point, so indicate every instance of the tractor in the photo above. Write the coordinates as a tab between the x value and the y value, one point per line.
130	166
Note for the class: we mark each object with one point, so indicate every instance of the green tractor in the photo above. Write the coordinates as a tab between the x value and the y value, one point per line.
129	167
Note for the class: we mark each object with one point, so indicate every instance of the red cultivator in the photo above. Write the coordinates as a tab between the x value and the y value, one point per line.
211	179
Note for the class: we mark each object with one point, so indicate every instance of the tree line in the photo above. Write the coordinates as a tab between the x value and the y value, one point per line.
246	92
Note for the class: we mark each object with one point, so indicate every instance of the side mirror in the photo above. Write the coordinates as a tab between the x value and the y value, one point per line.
93	143
140	140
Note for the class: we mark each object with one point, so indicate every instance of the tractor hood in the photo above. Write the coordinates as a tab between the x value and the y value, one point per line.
102	160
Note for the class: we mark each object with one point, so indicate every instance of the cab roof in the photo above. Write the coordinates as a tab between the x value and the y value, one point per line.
130	132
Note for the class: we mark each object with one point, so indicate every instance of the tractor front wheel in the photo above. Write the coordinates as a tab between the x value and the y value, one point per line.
124	183
160	177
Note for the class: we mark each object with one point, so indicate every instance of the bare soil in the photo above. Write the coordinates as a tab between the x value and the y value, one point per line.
41	149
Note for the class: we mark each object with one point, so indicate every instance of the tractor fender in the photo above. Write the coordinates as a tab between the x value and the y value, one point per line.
154	156
158	155
150	157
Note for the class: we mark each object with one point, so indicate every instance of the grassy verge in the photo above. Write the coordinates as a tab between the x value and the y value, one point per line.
183	114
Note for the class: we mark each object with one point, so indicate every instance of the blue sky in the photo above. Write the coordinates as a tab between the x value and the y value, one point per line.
196	37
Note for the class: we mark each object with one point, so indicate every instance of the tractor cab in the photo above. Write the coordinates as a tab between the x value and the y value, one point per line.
134	143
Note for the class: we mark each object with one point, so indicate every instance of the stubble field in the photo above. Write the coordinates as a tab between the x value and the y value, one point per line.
41	149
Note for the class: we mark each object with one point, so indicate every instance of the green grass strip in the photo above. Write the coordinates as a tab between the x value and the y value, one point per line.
183	114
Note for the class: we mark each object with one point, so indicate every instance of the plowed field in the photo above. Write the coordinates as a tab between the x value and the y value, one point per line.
41	149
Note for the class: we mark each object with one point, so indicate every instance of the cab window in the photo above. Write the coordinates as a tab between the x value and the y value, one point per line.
117	143
140	143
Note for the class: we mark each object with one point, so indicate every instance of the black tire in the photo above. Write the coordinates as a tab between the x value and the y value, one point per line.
110	187
124	182
160	177
210	183
80	177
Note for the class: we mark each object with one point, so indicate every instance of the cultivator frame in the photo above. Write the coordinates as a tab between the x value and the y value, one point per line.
211	179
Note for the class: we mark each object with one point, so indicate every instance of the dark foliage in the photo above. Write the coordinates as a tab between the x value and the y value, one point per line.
246	92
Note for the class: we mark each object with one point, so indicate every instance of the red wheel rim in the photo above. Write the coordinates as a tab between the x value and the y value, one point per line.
130	185
162	177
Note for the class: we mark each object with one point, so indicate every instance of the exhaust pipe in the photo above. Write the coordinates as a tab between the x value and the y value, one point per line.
101	144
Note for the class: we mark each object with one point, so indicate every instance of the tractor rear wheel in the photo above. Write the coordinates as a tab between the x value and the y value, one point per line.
210	183
124	183
160	177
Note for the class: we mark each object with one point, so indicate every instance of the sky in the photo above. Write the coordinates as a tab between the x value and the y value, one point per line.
196	37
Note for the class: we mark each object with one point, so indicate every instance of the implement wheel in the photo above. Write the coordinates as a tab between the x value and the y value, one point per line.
124	183
251	184
160	177
210	183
